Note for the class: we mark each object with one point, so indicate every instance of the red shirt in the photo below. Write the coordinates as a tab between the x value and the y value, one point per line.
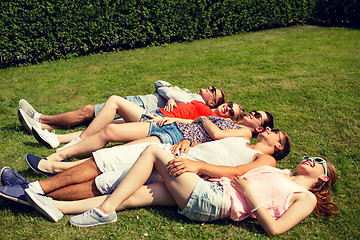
191	110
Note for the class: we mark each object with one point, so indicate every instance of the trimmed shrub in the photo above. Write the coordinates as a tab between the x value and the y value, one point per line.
36	30
337	12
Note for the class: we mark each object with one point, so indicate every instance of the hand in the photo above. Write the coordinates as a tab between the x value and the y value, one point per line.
165	121
160	121
181	147
200	119
241	184
170	105
153	117
179	165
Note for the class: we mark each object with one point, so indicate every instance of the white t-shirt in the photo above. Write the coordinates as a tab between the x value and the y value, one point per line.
115	162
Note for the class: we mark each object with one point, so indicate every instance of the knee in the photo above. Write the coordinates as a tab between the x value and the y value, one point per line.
114	100
88	112
108	132
152	149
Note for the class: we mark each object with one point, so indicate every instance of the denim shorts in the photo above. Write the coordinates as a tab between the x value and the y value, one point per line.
167	133
134	99
145	118
205	202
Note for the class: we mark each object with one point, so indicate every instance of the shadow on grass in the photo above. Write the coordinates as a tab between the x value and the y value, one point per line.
171	214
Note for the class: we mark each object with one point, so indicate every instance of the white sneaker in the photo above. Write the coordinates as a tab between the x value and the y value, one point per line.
44	205
27	108
93	217
74	141
48	139
27	122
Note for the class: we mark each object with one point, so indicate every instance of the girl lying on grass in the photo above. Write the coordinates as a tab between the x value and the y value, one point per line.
276	198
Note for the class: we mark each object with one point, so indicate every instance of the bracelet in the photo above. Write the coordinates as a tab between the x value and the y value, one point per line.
191	143
255	209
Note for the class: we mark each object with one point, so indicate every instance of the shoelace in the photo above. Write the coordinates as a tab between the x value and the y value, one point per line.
50	133
23	181
32	111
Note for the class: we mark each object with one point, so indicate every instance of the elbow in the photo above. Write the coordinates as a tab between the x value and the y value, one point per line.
216	136
273	232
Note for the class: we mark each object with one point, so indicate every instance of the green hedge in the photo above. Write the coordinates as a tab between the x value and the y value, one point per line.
338	12
33	30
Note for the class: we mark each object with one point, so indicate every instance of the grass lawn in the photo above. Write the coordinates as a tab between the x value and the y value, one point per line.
307	76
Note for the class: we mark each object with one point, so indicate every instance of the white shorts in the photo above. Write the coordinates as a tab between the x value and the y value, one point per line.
115	162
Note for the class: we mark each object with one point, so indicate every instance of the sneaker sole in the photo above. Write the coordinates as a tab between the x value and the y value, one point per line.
24	123
41	139
34	202
91	225
15	199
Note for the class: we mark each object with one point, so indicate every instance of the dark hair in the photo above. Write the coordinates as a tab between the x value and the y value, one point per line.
221	99
325	204
280	154
269	122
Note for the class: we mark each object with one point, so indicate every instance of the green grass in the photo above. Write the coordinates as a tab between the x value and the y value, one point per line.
308	77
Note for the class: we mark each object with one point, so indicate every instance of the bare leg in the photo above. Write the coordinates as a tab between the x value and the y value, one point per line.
112	133
179	187
154	194
68	119
129	111
77	175
57	166
65	138
76	192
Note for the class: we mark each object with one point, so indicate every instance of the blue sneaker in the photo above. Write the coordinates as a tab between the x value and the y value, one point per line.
44	205
33	162
14	193
92	218
11	178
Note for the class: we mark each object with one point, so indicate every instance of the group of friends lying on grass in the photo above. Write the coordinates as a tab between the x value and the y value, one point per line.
181	149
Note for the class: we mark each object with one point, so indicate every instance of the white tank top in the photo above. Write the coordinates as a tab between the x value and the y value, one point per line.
232	151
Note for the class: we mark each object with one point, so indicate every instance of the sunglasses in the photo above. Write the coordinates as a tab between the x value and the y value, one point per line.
231	110
213	91
319	161
256	114
277	131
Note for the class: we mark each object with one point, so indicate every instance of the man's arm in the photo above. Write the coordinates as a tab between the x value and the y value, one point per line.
161	83
179	95
178	166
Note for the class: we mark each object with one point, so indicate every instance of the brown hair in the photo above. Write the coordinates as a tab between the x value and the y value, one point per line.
221	99
280	154
325	205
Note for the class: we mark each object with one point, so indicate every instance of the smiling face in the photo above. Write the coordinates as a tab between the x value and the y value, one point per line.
228	110
211	95
312	168
271	137
254	120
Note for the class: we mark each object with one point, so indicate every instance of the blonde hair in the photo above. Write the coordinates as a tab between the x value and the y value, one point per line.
239	118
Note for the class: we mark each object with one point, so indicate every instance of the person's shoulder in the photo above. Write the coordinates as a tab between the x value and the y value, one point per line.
265	157
306	196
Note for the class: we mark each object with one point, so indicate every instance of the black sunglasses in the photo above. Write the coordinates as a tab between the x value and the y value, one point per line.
277	131
231	110
256	114
213	91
